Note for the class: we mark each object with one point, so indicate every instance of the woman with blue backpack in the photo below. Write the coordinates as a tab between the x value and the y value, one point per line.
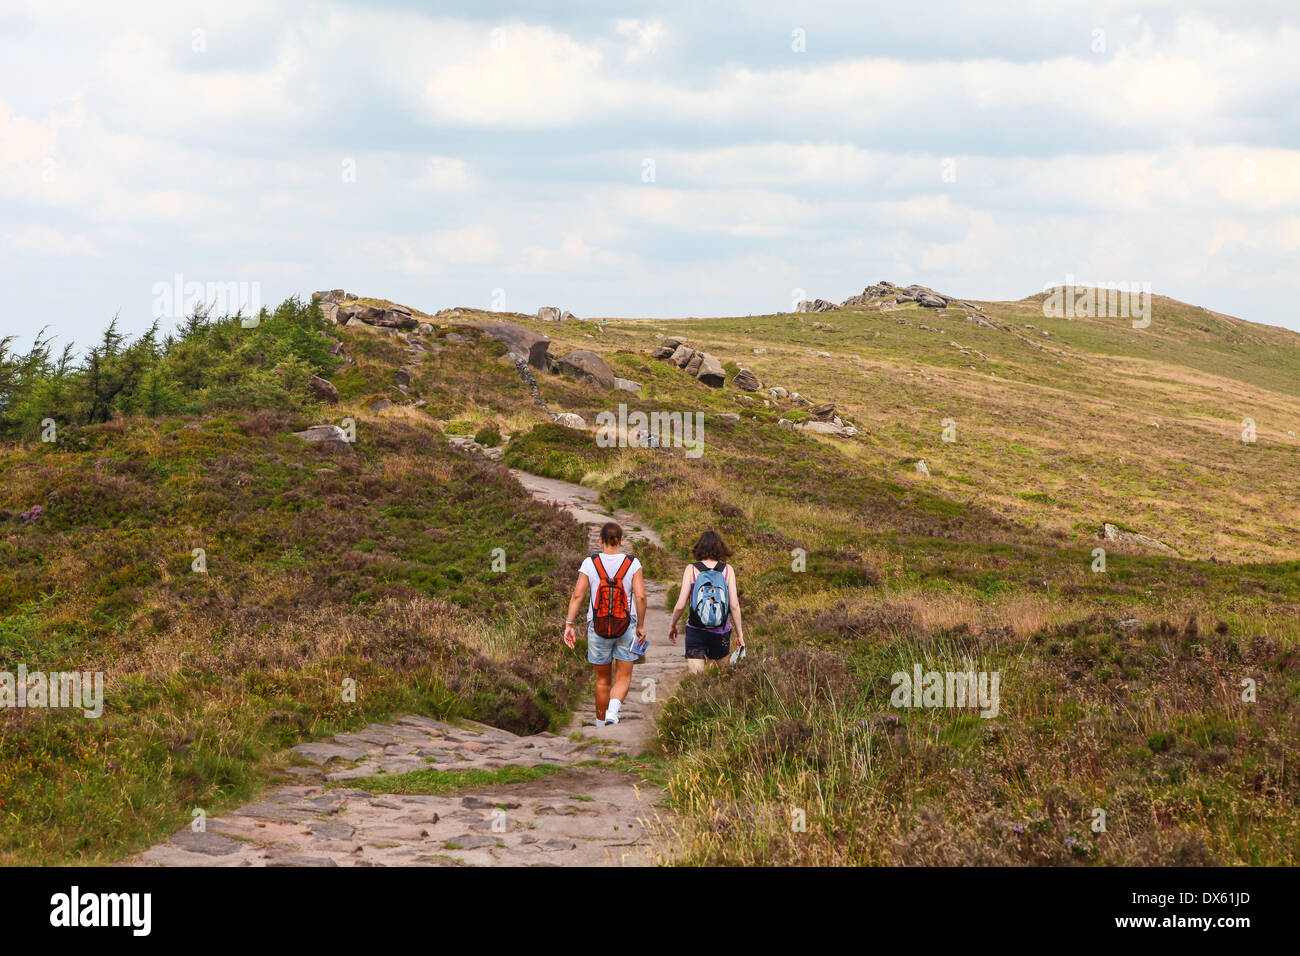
709	590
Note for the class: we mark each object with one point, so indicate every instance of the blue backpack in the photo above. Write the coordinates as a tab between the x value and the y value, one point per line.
709	596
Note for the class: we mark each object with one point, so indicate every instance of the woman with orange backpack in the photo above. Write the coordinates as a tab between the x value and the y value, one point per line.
615	636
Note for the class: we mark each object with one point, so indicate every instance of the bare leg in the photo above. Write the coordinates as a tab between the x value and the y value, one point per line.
602	689
695	665
622	680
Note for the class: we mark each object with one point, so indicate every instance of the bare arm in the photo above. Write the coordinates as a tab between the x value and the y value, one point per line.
734	595
579	595
682	598
638	591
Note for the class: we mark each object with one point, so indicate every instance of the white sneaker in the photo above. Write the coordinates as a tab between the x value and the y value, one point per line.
611	712
599	722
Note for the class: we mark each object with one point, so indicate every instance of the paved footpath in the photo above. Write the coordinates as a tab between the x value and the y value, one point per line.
588	814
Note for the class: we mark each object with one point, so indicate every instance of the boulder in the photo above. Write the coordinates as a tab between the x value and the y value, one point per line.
424	328
567	316
323	390
922	468
930	301
396	319
330	295
521	342
587	366
828	428
778	392
746	381
402	377
570	420
711	372
329	435
627	385
798	401
693	366
666	350
548	313
682	355
822	413
1111	532
380	404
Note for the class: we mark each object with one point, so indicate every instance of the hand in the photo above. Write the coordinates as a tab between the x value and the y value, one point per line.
570	635
672	634
640	634
740	639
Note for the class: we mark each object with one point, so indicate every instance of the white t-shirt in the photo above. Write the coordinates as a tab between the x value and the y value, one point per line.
612	563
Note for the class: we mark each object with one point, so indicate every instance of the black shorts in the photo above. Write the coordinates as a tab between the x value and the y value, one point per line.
701	645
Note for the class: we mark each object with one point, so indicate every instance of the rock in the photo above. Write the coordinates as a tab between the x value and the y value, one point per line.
353	322
778	392
567	316
682	356
711	372
822	413
692	367
587	366
1111	532
548	313
424	328
325	434
729	417
522	343
209	844
828	428
785	423
922	467
330	311
380	404
336	348
816	305
746	381
930	301
760	351
402	377
323	390
798	401
330	295
627	385
457	337
570	420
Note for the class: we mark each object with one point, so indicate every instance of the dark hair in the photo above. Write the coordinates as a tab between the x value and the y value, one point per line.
611	533
711	547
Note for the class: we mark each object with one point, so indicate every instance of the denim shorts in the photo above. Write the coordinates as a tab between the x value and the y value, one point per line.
602	650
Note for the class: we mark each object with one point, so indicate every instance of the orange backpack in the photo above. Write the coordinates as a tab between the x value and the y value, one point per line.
610	615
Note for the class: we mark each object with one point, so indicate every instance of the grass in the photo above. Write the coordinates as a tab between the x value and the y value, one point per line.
375	565
448	781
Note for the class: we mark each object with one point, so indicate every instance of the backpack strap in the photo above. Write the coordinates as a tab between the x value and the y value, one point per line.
622	569
600	568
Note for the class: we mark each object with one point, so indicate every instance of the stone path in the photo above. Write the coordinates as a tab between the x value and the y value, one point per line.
588	813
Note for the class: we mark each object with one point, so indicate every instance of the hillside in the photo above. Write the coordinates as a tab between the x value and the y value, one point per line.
1120	689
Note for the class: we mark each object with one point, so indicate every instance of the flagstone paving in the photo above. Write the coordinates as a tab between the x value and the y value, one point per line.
588	813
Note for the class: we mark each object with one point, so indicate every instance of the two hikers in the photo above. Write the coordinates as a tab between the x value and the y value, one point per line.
709	590
615	634
611	583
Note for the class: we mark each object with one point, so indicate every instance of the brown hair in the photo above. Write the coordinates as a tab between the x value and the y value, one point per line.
711	547
611	533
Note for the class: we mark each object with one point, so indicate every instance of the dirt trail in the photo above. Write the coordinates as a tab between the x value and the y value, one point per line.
588	813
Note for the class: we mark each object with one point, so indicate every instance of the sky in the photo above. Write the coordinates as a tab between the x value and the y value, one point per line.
620	159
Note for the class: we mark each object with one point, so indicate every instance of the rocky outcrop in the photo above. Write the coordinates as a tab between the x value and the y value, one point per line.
570	420
816	305
822	413
548	313
388	317
839	430
587	366
746	381
697	364
521	343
